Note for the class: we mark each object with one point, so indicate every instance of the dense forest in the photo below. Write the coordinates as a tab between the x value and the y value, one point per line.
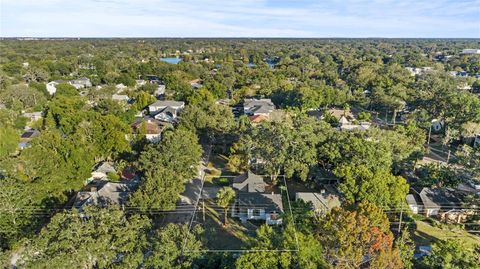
400	88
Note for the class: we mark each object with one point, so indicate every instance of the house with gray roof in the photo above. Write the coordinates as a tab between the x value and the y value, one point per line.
254	107
103	193
166	111
432	201
322	202
252	202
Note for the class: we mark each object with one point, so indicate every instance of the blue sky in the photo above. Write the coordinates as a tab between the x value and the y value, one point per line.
240	18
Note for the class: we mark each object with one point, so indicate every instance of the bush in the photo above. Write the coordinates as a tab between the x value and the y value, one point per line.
113	176
223	181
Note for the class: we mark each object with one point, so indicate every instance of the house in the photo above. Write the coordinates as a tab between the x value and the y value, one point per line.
160	90
102	170
79	83
120	87
103	193
167	111
346	125
254	107
151	127
196	84
431	202
252	202
26	137
419	70
471	51
322	202
139	83
33	117
412	203
456	215
120	97
255	119
52	86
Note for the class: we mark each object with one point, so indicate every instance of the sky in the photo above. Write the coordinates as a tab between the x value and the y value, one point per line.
240	18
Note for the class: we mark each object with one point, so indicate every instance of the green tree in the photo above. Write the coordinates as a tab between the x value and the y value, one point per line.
351	234
451	254
225	196
174	246
105	238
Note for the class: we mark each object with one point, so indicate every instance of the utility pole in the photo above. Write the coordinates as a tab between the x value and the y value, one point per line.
203	205
429	134
400	221
448	156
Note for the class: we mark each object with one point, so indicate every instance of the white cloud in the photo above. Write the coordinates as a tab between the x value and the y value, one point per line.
212	18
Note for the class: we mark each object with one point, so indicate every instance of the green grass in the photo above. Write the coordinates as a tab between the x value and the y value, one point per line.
427	234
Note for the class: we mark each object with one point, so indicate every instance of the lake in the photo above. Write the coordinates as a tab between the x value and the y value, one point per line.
171	60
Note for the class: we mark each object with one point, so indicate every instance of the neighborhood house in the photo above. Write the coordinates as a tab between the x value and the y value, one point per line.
167	111
252	202
77	83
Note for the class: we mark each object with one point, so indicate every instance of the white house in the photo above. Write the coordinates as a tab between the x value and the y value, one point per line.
166	111
253	203
77	83
80	83
52	86
412	203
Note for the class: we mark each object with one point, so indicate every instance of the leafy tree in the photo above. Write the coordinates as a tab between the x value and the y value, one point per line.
66	90
451	254
225	197
166	168
97	238
358	235
406	247
174	246
263	254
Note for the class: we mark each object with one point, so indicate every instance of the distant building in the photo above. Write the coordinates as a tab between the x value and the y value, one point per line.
120	97
79	83
471	51
431	202
417	71
254	107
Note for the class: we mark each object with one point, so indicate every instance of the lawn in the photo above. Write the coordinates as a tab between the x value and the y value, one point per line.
233	236
426	234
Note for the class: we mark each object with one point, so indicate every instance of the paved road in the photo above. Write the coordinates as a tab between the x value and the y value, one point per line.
188	199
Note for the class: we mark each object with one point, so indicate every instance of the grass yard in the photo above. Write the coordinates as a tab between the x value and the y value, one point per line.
426	234
219	237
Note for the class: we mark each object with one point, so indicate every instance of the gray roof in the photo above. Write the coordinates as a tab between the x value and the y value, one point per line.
106	193
249	182
256	200
106	167
411	200
252	106
320	201
167	103
438	198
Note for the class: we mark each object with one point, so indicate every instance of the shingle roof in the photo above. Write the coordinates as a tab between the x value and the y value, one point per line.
249	182
256	200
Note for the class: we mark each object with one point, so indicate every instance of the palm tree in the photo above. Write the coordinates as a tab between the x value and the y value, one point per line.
224	199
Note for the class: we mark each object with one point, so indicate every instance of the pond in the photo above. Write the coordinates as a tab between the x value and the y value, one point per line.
171	60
